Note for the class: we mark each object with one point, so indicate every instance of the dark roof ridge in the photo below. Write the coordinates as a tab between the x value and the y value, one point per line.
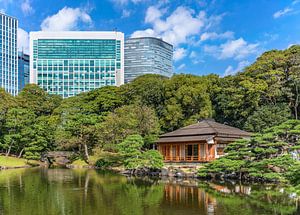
208	122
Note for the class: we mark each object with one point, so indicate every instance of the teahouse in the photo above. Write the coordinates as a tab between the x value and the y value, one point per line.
201	142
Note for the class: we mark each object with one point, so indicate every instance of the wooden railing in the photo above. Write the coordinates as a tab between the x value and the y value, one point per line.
187	158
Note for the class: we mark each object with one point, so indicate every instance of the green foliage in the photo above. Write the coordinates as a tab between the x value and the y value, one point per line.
267	116
103	163
128	120
265	94
153	159
267	156
134	158
34	98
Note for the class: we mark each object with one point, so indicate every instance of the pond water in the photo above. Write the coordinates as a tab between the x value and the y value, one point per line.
64	191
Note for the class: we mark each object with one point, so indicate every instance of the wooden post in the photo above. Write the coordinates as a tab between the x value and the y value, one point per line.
206	151
180	146
171	155
214	151
198	152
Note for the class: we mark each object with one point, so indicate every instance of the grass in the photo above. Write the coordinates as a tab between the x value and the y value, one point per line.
12	161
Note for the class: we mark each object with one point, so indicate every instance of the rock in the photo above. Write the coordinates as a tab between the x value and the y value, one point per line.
274	168
164	172
178	174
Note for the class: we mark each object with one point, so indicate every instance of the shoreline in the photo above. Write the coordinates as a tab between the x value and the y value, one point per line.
15	167
163	173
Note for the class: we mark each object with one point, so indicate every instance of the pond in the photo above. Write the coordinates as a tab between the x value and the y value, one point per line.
65	191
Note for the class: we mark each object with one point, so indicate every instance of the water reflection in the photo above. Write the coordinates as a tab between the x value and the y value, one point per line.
181	196
63	191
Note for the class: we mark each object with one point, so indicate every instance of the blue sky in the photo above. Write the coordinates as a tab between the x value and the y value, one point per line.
216	36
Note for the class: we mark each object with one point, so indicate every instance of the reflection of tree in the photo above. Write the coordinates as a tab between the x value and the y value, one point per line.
58	191
266	199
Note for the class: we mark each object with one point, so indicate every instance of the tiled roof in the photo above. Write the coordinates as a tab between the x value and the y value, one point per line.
204	128
185	139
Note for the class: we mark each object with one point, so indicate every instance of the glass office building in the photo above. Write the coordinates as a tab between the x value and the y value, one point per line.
8	54
147	55
68	63
23	71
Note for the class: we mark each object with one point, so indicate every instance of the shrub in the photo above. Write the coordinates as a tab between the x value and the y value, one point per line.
103	163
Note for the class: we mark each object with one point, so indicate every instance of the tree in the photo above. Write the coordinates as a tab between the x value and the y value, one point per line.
133	156
148	90
292	71
40	137
236	98
187	101
18	124
6	102
37	100
267	116
270	156
102	101
128	120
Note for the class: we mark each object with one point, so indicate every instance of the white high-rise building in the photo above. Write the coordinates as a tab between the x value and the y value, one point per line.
8	54
71	62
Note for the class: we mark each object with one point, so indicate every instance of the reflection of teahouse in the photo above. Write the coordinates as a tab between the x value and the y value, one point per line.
201	142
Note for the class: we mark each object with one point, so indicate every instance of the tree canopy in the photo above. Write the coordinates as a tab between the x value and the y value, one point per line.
264	94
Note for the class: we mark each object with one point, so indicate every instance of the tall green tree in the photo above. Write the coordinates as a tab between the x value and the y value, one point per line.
268	116
125	121
7	101
18	125
187	100
37	100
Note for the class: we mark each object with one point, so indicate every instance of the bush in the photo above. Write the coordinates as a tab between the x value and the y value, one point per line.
153	159
103	163
133	156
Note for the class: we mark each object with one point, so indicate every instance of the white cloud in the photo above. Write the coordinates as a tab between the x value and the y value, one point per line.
295	2
179	53
231	71
153	14
23	40
4	5
124	2
177	28
125	13
145	33
283	12
193	54
66	19
214	35
181	66
26	7
237	49
195	58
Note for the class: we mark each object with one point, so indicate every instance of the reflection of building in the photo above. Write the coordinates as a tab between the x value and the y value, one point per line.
23	70
182	196
147	55
8	54
68	63
201	142
238	188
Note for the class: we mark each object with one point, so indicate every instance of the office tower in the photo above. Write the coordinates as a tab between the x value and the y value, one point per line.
68	63
147	55
23	71
8	54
